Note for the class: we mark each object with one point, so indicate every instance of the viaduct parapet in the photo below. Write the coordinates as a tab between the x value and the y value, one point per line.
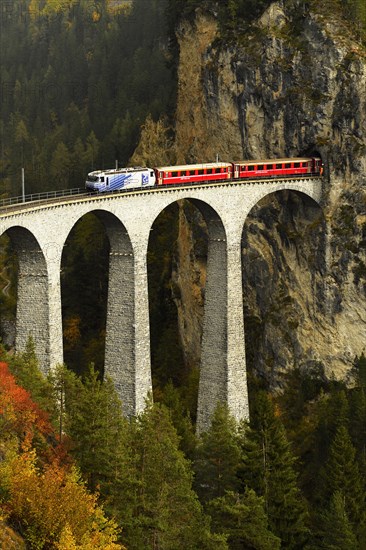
39	233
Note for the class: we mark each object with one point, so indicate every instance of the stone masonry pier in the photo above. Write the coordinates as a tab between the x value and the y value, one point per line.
39	232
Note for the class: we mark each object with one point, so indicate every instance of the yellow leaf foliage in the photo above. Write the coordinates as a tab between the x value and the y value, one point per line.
54	508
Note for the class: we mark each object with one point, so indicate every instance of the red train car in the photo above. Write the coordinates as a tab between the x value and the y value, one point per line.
277	167
192	173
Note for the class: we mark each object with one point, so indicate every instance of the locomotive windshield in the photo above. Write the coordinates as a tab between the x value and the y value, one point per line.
93	178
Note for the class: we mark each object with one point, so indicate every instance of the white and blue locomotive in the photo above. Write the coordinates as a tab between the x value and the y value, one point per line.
120	178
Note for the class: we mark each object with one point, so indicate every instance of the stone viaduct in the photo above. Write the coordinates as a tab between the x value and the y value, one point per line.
39	232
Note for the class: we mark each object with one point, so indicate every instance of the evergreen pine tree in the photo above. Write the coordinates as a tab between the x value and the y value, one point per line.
357	404
60	165
357	424
342	475
333	412
95	425
181	419
336	527
242	518
269	468
218	457
153	499
360	371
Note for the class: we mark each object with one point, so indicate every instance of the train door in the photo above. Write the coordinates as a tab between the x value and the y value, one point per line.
152	177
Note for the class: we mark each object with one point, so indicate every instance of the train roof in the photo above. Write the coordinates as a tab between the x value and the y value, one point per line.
118	170
274	161
198	166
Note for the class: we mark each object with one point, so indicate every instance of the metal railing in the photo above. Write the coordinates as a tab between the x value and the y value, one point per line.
47	195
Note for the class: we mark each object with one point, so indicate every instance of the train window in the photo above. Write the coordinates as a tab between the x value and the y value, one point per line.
296	164
260	167
279	166
200	172
288	165
251	168
102	179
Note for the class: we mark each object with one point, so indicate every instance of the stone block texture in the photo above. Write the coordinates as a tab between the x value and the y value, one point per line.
39	233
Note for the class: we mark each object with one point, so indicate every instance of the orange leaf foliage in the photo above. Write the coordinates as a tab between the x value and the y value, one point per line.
18	412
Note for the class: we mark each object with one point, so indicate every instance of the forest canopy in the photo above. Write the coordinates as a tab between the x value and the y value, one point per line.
78	79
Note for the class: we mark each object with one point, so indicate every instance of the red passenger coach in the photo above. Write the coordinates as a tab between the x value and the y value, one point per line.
194	173
277	167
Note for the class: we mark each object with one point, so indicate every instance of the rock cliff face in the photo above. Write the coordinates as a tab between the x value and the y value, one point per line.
294	85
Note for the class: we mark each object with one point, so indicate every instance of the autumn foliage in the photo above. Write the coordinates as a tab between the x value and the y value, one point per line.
41	495
19	415
54	507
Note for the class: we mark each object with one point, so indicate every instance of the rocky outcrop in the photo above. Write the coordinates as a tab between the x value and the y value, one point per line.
295	84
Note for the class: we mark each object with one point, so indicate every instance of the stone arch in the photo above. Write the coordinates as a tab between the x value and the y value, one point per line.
213	382
313	190
274	261
120	336
32	311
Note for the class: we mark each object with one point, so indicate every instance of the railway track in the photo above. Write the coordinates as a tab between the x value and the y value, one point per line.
41	200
